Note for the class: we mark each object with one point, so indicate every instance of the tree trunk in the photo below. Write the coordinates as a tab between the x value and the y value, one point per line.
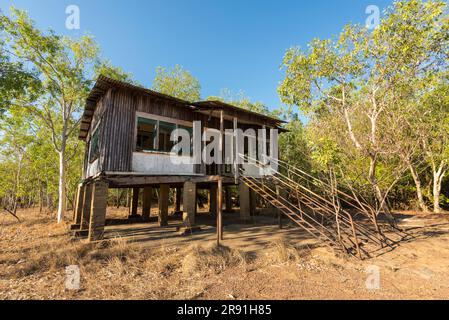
436	196
41	200
16	185
61	185
419	193
377	192
118	197
438	176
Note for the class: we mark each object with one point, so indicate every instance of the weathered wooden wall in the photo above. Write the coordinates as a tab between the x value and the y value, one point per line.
117	138
116	114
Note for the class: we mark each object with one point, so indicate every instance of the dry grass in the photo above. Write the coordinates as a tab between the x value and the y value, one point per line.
38	248
282	252
200	260
35	252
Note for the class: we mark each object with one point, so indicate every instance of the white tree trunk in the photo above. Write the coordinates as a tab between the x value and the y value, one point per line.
436	196
61	186
438	176
419	193
378	192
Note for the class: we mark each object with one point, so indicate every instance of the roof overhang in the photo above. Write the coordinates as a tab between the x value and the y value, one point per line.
213	108
230	111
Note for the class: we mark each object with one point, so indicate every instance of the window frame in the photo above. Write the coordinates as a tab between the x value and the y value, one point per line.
175	122
155	135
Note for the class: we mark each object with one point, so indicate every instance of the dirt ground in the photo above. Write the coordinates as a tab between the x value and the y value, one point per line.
257	261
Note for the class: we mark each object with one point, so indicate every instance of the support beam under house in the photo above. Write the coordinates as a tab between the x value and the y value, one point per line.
245	202
146	203
98	210
135	202
85	217
189	203
163	205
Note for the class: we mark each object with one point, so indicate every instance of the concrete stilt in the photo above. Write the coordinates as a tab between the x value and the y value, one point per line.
189	203
163	205
98	210
245	202
135	202
146	202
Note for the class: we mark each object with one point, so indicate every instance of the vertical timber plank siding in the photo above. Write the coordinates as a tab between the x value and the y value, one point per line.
116	115
97	124
164	108
118	133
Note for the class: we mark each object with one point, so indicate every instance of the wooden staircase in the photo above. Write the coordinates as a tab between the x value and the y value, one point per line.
319	214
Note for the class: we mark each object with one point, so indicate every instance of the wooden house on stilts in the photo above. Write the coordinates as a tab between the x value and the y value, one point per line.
129	144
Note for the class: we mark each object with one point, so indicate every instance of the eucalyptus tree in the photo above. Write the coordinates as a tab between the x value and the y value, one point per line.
240	100
360	77
106	68
58	73
433	130
14	78
177	82
15	141
61	63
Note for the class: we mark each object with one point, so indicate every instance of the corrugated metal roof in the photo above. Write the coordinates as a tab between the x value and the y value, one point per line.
103	84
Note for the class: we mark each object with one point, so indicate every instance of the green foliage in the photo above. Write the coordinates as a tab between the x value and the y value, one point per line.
14	78
178	83
377	102
293	146
45	164
370	95
240	100
105	68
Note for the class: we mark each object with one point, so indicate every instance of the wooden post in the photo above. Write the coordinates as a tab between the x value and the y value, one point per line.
189	203
135	202
75	202
228	199
98	210
279	213
128	200
219	211
163	205
146	202
221	166
78	210
237	151
85	218
178	200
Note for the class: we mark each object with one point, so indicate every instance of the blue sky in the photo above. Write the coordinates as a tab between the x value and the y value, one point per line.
234	44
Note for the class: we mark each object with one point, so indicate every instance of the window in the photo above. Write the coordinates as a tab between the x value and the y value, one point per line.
94	150
154	135
190	131
165	130
146	134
